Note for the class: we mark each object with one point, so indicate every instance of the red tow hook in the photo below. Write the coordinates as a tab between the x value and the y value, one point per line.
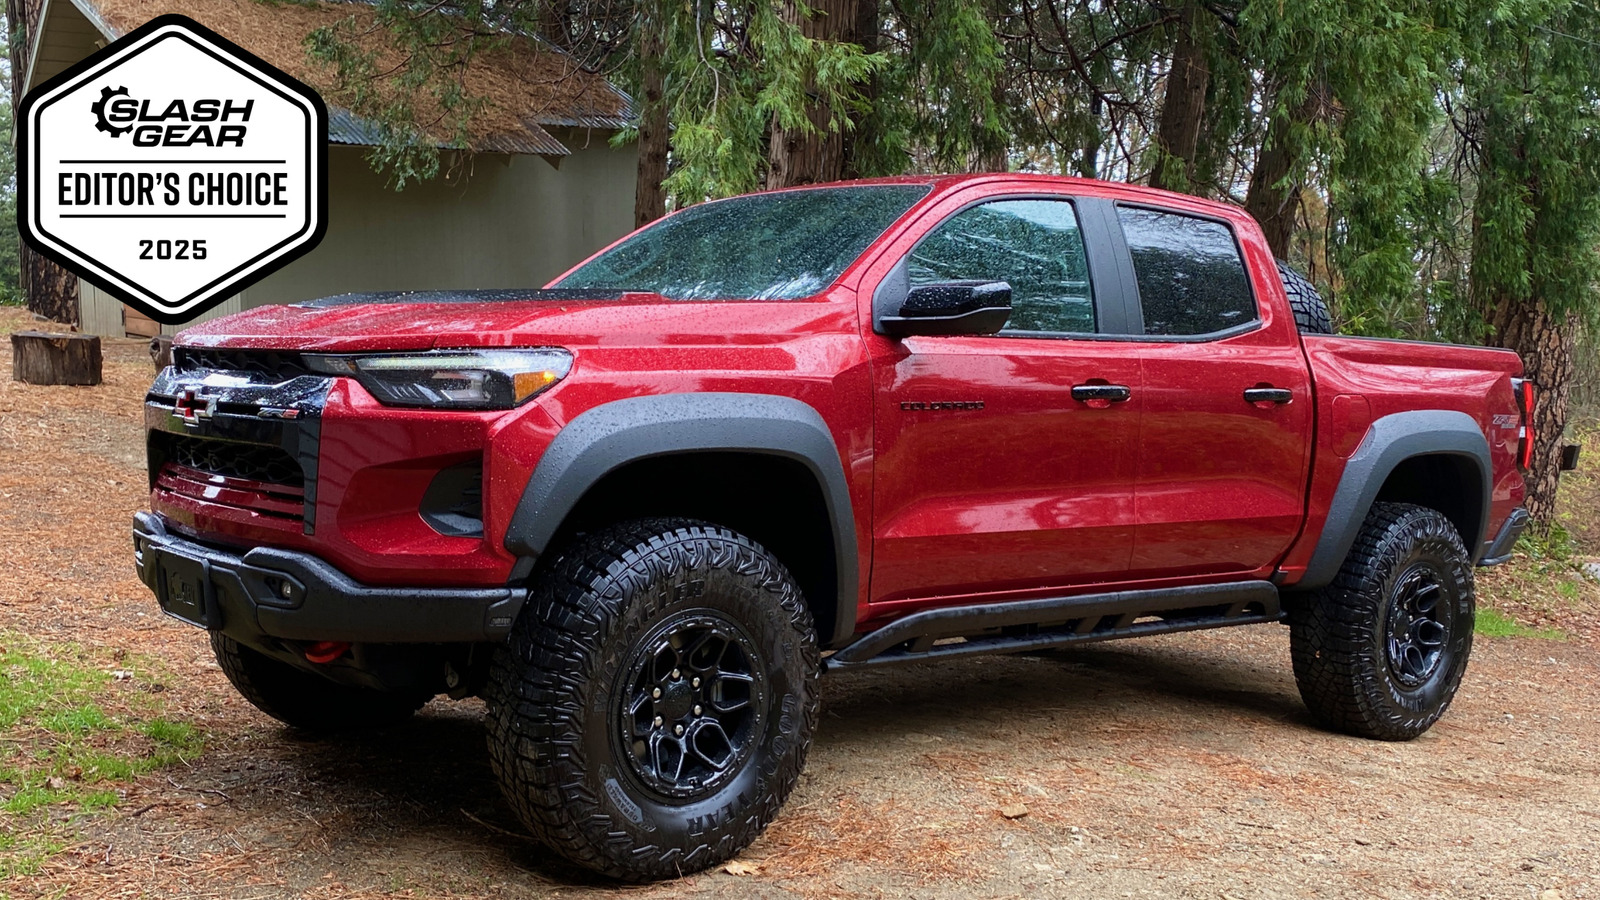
323	652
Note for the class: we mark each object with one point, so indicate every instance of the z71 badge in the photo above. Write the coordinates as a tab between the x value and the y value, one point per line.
172	169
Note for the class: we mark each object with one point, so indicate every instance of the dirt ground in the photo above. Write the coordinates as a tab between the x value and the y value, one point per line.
1169	767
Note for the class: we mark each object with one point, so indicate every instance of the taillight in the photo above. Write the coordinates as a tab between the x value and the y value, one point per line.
1526	401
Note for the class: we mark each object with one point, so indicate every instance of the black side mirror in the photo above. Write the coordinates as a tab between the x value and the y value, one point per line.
954	307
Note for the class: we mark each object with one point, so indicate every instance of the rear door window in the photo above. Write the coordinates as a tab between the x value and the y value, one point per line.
1192	280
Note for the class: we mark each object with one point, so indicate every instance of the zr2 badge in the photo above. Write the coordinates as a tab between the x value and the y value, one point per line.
172	169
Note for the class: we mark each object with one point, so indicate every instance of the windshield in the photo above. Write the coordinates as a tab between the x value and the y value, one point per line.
778	246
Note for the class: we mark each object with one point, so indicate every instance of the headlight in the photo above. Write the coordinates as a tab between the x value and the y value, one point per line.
452	379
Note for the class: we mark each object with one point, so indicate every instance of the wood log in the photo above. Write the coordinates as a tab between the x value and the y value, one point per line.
39	357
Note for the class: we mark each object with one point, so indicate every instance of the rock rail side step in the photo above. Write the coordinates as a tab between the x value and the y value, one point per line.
1023	625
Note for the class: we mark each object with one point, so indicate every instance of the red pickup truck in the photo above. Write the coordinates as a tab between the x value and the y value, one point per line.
642	510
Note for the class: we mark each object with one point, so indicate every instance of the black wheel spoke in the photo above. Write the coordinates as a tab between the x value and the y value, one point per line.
733	691
1426	598
1430	634
667	756
639	704
701	655
711	744
664	660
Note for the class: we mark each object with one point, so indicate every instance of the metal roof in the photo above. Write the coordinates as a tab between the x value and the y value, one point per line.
345	127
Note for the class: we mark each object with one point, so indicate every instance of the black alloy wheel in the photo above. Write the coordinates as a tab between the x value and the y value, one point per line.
1418	625
695	701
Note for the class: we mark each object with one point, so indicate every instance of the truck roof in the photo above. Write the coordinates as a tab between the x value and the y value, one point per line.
948	182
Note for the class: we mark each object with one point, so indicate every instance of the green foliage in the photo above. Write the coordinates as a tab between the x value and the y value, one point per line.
21	857
1529	77
419	106
1492	623
1552	543
939	96
733	70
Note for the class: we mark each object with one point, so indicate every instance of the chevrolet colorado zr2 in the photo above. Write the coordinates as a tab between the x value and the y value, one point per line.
640	511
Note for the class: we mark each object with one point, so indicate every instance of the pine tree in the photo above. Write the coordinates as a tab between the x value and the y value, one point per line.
1532	120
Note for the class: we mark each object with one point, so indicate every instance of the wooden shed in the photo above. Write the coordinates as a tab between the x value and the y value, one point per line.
543	187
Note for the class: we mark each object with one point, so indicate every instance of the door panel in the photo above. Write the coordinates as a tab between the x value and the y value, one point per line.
1033	490
1221	476
1221	483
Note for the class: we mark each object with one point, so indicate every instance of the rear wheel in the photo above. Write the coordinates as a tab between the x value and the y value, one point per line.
1380	652
654	706
305	700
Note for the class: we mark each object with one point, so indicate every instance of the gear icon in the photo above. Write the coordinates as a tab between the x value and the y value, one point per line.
99	110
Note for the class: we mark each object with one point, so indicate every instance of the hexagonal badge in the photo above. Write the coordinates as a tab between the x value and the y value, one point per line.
172	168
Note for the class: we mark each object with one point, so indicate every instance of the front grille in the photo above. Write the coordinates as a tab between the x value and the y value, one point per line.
279	501
279	365
231	459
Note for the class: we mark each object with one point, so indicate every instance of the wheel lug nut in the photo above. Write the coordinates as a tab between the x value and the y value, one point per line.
677	674
655	694
695	682
697	710
677	729
658	722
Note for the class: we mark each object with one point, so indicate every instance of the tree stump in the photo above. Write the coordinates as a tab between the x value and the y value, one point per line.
161	351
39	357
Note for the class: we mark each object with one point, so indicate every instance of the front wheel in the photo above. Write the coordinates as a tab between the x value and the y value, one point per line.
1380	652
654	706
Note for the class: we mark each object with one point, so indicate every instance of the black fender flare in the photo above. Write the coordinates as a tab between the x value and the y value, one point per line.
1391	440
609	436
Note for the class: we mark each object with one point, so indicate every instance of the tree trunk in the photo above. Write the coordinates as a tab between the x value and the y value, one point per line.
649	196
39	357
1184	108
869	22
1544	341
51	291
994	152
23	17
47	289
1273	199
555	23
817	155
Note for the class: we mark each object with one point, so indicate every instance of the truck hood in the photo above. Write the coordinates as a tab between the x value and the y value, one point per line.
424	320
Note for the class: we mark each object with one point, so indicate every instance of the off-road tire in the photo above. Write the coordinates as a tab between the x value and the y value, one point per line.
557	690
1340	636
1310	311
305	700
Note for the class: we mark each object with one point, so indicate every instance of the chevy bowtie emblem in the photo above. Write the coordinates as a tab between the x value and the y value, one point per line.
191	407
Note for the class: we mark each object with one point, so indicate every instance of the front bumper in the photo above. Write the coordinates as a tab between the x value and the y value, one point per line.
1499	550
295	596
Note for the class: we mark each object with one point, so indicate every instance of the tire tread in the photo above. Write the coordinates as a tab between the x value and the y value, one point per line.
1305	301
